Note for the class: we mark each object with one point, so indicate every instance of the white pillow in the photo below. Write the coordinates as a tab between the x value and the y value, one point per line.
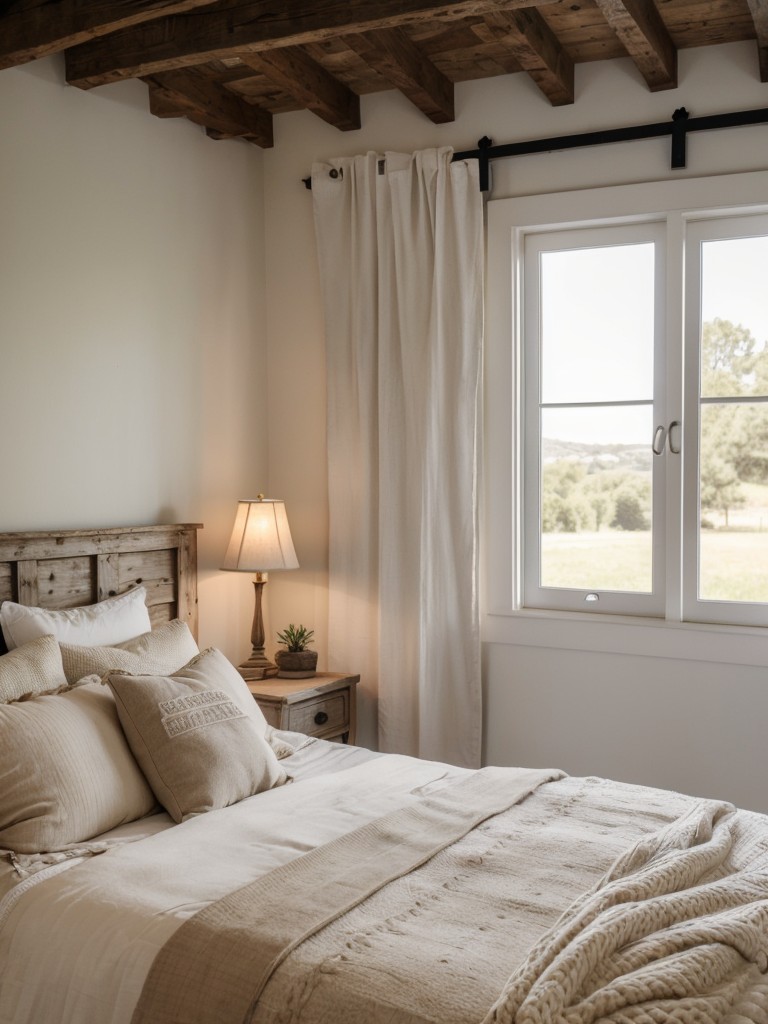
108	622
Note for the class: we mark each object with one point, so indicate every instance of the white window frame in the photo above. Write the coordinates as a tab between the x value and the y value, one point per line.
504	619
614	602
698	232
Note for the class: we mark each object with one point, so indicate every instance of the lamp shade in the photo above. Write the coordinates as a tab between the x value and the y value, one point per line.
261	538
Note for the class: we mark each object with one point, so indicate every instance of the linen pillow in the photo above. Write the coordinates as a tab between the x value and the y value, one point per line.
68	773
198	735
108	622
162	651
32	668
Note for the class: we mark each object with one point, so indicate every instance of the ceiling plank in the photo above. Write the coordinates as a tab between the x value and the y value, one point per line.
397	59
759	11
309	83
535	48
196	96
252	25
38	28
639	27
212	133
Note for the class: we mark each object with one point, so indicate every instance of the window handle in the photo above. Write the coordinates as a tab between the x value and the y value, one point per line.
659	438
674	448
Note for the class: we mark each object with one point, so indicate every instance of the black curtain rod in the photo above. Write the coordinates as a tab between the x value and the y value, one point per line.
677	128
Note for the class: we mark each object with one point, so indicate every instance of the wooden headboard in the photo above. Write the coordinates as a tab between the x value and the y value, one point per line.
68	568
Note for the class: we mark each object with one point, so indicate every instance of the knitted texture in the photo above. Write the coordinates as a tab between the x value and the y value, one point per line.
676	931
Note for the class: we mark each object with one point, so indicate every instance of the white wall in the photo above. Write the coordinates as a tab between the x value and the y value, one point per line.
132	346
668	721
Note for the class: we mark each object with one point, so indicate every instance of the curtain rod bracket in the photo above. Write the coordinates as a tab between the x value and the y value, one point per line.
483	147
679	137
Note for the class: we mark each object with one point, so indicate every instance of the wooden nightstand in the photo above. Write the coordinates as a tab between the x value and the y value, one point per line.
323	705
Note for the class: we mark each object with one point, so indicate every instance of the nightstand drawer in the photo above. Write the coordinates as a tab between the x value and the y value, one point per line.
320	717
328	715
322	705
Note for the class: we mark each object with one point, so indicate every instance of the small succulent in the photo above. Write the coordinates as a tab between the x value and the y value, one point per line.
296	638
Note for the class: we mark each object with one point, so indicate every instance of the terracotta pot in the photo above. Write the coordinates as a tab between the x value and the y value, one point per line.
296	664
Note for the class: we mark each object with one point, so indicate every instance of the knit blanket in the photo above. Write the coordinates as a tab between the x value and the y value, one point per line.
676	931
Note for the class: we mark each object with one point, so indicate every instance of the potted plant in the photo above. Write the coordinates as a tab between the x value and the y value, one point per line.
296	661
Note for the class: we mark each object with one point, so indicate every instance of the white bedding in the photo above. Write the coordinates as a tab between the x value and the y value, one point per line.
104	918
169	874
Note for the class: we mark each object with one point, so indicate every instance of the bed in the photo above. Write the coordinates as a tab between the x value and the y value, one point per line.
169	857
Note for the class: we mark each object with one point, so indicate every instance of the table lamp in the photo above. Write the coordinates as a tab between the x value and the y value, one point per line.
260	542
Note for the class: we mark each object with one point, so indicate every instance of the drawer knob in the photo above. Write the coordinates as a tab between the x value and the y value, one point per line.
321	718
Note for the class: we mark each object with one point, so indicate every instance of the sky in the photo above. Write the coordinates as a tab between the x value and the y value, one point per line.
736	283
597	328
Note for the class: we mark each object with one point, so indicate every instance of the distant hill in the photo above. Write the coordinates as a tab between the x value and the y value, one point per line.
635	458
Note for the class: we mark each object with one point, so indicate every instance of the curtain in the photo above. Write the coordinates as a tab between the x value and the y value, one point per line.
400	244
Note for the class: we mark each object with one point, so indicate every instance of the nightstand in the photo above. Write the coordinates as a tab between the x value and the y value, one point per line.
323	705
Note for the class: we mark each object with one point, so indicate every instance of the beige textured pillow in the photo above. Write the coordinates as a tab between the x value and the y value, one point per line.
161	652
198	735
67	772
32	668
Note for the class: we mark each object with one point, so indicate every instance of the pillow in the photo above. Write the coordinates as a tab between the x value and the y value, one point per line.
32	668
162	651
198	735
68	773
108	622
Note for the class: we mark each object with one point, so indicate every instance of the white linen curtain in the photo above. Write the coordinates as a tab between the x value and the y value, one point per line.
400	242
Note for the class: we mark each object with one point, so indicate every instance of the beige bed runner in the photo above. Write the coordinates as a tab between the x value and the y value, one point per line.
217	963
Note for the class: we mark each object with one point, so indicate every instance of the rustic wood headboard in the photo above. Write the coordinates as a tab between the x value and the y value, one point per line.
69	568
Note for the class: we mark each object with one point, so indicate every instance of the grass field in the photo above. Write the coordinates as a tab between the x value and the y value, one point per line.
734	565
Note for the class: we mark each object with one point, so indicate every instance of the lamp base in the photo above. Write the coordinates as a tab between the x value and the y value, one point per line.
258	666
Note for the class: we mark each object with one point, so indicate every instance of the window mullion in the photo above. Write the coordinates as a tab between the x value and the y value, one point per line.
671	392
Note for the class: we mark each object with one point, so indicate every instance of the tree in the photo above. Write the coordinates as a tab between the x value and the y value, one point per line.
734	438
630	512
720	484
601	508
562	476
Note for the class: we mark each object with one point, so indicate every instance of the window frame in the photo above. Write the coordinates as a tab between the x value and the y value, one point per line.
504	617
695	608
536	595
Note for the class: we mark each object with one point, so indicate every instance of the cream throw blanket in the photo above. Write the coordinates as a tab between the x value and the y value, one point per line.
677	931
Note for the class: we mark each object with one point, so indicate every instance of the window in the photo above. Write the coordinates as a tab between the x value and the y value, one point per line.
639	423
726	488
594	493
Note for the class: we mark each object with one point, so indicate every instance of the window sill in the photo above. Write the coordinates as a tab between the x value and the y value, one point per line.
636	637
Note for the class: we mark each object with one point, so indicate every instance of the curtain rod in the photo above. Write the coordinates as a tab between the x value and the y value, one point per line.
677	128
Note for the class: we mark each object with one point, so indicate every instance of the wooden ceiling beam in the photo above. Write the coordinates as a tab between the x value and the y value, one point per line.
293	71
396	58
535	48
759	11
38	28
236	26
196	96
639	27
